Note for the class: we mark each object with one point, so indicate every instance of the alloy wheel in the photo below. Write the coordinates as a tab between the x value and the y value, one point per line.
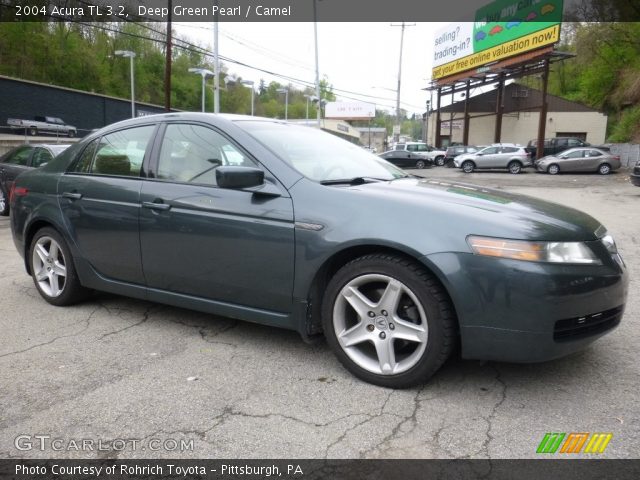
49	266
380	324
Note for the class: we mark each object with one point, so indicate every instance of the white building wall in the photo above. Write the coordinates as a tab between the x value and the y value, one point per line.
523	126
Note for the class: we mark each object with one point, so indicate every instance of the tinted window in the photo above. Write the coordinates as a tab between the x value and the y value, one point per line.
574	154
562	142
509	149
191	153
19	157
83	164
594	153
40	156
121	153
490	150
574	142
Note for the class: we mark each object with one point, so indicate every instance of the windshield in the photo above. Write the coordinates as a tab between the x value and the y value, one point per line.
58	149
318	155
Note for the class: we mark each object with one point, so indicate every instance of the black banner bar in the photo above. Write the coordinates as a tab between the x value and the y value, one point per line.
321	469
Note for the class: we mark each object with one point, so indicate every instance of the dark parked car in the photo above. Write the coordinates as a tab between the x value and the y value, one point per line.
20	159
588	159
635	175
454	150
559	144
406	159
308	232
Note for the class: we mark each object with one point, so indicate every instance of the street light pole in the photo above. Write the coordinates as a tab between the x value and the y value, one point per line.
250	84
203	72
131	55
315	33
286	101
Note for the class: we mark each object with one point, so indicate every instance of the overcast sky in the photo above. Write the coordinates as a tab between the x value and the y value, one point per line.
356	57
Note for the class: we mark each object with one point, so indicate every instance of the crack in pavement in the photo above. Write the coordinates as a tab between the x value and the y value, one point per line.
366	420
86	327
145	317
489	419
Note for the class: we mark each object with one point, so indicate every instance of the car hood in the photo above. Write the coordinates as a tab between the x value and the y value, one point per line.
453	206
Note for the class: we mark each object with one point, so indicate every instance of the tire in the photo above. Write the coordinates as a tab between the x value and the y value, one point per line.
71	133
604	169
52	269
440	161
33	131
416	337
420	164
4	202
553	169
514	167
468	166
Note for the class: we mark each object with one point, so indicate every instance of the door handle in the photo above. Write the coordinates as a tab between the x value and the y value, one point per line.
156	206
72	195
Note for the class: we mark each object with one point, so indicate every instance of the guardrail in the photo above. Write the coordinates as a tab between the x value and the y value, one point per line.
11	138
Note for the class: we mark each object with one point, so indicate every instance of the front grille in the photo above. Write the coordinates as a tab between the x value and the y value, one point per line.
586	326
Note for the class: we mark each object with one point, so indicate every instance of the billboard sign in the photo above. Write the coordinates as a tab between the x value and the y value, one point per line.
350	110
502	29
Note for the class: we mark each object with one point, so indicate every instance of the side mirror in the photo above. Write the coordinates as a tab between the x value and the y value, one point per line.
239	177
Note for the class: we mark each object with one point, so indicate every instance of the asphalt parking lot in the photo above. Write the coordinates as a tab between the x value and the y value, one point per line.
138	379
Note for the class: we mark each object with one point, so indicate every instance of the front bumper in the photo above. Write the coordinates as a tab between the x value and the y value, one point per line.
516	311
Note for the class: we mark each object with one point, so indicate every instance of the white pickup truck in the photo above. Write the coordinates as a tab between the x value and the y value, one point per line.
42	125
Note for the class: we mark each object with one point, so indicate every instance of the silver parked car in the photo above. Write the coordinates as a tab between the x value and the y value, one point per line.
512	157
584	159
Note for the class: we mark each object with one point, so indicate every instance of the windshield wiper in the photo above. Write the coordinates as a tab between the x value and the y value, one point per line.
353	181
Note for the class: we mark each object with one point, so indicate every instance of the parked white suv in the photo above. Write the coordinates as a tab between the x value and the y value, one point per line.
499	155
429	152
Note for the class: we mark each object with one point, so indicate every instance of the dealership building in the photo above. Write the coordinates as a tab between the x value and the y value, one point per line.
520	118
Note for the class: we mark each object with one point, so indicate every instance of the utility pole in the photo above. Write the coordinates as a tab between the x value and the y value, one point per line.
396	137
216	62
315	33
167	64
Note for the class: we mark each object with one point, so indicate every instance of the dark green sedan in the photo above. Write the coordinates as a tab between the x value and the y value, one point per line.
285	225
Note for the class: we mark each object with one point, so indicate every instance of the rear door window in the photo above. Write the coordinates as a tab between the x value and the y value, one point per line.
121	153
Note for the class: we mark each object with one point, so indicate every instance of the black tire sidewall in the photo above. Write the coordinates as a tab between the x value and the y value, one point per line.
514	162
468	162
421	164
73	291
550	169
5	211
432	357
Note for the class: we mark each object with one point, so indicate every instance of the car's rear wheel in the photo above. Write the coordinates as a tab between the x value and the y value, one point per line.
71	133
33	131
52	269
440	161
388	320
420	164
4	202
514	167
553	169
468	166
604	169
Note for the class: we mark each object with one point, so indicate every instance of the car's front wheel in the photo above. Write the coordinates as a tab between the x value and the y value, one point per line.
52	269
4	203
388	320
553	169
468	166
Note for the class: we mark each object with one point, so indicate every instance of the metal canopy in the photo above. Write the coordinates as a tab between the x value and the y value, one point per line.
532	63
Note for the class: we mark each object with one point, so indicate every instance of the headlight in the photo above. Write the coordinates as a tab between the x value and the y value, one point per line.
550	252
610	244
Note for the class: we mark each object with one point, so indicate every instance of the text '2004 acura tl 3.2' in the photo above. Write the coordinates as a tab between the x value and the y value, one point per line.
288	226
